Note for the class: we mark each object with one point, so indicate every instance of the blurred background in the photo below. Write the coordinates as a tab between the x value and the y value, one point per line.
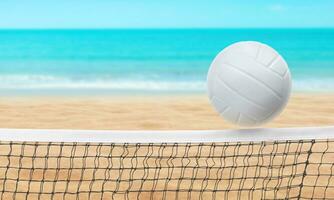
145	62
108	47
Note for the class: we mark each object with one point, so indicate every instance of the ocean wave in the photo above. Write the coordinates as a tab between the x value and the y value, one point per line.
142	84
54	82
314	85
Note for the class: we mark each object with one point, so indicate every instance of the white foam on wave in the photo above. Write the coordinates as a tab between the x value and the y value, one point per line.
314	85
13	82
50	82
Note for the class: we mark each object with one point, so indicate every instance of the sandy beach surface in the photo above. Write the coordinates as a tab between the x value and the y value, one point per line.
278	166
160	112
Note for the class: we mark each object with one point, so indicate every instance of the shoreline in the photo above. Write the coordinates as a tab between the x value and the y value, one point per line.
136	94
148	112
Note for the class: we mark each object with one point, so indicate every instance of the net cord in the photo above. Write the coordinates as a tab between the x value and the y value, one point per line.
177	136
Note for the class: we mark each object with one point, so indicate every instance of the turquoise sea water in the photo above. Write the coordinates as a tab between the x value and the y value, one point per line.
153	61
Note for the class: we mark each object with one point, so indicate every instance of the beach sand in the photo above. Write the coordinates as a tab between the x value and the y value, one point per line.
156	112
148	112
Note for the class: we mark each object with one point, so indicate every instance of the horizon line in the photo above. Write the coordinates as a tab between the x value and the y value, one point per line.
159	28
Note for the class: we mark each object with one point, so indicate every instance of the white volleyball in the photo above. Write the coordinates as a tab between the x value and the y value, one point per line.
249	83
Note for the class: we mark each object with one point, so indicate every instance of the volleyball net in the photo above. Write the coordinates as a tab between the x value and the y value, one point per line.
242	164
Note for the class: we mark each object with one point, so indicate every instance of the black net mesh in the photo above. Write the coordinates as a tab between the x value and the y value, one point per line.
247	170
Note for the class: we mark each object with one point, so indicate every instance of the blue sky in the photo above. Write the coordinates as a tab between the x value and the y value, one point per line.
165	14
